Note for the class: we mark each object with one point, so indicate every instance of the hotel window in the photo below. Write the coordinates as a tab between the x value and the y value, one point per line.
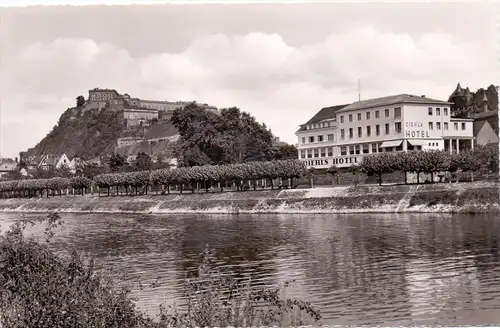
316	152
320	138
397	112
342	134
463	126
323	152
330	151
329	124
330	137
311	139
386	112
438	125
399	148
397	127
351	134
430	110
366	148
368	131
343	151
351	150
438	111
359	116
374	148
302	154
309	153
303	140
431	126
342	119
445	111
350	117
445	126
387	128
360	132
377	114
367	115
377	130
455	126
357	149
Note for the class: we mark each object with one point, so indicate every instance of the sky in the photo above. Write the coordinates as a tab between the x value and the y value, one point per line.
280	62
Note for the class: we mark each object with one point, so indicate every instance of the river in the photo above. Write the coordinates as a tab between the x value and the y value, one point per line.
357	269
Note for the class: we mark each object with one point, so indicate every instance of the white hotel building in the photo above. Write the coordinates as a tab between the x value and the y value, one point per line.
341	135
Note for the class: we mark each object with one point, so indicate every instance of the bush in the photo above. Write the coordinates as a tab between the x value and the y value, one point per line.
217	299
41	289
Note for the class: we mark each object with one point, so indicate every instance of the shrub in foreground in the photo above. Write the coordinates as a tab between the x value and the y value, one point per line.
41	289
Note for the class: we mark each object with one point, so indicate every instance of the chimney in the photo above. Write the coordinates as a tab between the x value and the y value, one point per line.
17	161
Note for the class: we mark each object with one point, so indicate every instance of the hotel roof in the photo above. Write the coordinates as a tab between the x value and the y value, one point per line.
392	100
324	114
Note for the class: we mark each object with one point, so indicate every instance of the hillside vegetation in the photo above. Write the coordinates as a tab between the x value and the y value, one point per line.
84	136
89	135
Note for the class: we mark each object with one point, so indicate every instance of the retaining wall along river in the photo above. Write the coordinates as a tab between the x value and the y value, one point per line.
479	197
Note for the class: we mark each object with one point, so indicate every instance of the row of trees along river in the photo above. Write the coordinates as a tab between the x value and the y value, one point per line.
247	175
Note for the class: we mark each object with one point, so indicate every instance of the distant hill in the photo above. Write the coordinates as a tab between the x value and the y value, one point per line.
93	134
93	127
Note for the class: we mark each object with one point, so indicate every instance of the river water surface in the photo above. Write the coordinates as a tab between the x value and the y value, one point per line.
357	269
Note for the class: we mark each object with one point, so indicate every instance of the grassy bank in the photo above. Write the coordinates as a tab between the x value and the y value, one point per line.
477	197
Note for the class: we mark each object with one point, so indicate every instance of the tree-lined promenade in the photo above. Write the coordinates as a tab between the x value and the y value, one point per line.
246	176
242	175
428	162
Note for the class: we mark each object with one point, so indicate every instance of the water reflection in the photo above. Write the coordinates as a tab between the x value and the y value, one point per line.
363	269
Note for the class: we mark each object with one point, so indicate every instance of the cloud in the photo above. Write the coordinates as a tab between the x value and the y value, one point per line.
281	85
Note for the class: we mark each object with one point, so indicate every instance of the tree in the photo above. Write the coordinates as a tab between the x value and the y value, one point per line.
377	165
44	173
231	137
201	135
143	162
311	172
80	101
285	152
90	170
354	169
335	172
406	162
63	171
433	161
117	162
246	139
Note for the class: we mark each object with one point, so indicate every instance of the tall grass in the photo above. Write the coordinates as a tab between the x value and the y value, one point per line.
39	288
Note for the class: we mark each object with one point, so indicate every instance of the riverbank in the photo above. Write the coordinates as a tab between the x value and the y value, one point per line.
478	197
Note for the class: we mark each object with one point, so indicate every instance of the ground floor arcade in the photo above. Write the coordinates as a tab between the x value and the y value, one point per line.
347	155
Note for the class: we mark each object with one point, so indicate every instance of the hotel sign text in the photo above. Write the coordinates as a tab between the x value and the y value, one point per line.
416	130
332	161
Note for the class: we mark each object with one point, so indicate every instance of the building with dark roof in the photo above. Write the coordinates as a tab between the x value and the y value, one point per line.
341	135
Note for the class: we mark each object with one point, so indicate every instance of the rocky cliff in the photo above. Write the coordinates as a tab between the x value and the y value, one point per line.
90	134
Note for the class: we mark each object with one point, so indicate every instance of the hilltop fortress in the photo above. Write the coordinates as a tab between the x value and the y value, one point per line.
133	111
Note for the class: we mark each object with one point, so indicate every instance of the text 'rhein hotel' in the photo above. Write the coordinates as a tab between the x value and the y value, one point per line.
341	135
